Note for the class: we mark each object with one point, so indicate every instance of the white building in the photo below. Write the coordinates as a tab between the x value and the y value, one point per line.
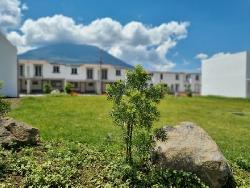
86	78
8	68
227	75
178	81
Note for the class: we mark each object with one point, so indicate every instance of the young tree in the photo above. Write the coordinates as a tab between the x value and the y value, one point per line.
68	88
47	88
135	107
188	90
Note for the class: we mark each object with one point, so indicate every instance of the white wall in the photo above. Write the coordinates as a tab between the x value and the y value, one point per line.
8	68
225	75
248	74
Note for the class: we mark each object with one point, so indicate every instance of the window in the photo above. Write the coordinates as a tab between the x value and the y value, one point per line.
118	72
176	87
74	84
177	76
161	76
89	73
197	78
90	84
172	88
38	70
34	82
56	69
74	71
21	70
187	77
104	74
56	83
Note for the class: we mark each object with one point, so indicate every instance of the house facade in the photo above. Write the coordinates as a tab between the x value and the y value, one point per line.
178	81
8	68
227	75
85	78
91	78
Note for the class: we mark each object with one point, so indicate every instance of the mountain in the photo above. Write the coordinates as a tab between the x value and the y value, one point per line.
73	54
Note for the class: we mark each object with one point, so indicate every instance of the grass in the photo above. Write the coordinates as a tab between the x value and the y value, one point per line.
85	119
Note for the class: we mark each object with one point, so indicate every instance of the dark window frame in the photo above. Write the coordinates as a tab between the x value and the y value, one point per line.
161	76
21	70
118	72
177	77
90	73
197	77
74	71
104	74
38	70
56	69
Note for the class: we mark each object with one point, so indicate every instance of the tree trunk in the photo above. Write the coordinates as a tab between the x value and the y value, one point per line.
129	137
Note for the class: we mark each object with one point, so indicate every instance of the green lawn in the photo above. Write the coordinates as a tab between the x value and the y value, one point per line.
86	119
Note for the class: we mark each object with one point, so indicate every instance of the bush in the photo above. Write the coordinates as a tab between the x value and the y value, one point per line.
47	88
4	105
71	164
4	108
188	90
68	88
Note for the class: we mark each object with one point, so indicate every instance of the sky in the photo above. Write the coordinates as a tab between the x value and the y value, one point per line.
164	35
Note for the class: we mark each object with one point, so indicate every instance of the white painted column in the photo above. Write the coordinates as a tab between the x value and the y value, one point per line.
64	84
28	86
99	87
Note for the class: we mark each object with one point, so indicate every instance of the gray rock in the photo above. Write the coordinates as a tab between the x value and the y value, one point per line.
189	148
16	134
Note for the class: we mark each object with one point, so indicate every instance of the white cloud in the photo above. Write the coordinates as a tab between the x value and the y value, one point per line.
133	42
220	54
10	14
201	56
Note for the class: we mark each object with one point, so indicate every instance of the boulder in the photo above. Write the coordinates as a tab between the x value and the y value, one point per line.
189	148
16	134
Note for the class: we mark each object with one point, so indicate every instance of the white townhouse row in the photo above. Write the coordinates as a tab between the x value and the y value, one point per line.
92	78
84	77
178	82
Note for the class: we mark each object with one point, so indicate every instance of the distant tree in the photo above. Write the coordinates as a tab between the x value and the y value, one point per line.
4	105
188	90
68	88
135	110
47	88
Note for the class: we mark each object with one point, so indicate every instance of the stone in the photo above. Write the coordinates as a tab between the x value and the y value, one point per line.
189	148
16	134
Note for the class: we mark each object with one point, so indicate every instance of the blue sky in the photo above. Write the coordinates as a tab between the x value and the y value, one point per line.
214	25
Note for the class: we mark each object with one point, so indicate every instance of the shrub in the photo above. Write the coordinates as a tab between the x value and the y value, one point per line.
188	90
68	88
71	164
47	88
4	105
4	108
